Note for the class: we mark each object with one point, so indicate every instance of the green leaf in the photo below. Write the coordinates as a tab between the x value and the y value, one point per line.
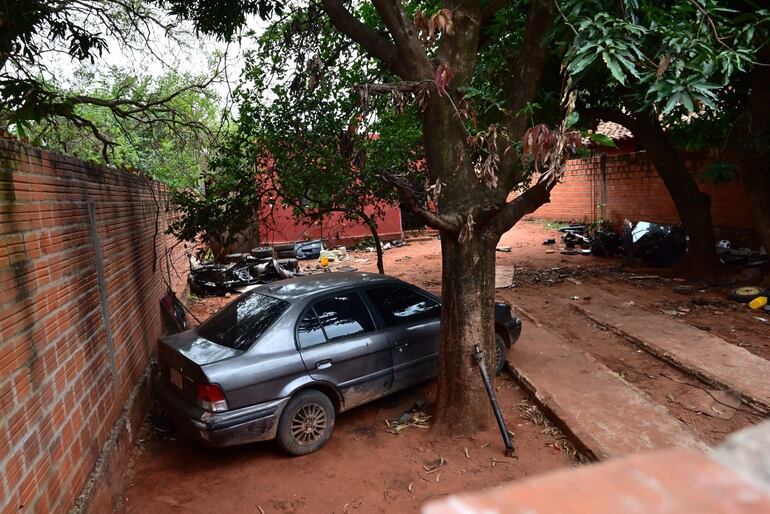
601	139
571	119
614	68
581	63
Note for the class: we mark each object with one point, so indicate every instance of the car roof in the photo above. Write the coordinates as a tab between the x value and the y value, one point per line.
320	283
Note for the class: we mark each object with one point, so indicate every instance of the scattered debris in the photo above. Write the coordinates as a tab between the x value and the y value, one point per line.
758	302
683	289
435	465
510	276
414	417
549	242
309	249
743	257
745	294
658	246
504	249
534	415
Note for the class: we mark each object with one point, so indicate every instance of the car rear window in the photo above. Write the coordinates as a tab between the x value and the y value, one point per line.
240	324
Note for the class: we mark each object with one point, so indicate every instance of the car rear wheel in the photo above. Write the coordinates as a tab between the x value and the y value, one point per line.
306	423
500	351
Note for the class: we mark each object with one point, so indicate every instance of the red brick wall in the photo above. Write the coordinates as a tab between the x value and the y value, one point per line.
59	398
635	191
285	228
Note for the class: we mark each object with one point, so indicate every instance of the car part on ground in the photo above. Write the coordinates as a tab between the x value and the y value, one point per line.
263	252
241	271
657	245
173	313
309	249
740	256
746	294
598	240
478	356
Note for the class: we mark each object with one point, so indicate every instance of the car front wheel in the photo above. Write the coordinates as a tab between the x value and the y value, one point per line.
306	423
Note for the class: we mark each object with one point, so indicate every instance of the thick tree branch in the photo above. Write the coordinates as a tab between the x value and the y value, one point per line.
373	43
527	66
526	203
527	72
410	48
445	222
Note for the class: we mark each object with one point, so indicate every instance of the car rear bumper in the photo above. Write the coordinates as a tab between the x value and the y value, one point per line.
245	425
513	327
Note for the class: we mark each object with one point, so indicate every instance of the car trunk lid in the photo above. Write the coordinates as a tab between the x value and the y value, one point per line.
182	357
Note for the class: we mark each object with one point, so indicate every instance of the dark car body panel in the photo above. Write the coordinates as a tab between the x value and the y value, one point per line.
258	381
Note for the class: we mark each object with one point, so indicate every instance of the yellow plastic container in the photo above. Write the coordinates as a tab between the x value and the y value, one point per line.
758	302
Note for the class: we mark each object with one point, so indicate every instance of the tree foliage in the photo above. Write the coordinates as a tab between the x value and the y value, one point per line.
302	136
34	34
676	58
174	152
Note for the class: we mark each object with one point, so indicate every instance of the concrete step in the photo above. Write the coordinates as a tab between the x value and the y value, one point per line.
699	353
607	416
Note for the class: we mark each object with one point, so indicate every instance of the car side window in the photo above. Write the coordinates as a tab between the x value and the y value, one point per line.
400	305
309	331
343	315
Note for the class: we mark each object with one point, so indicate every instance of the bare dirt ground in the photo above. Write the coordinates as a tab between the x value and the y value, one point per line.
365	468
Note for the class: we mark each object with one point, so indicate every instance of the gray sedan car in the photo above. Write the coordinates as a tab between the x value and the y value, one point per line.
281	361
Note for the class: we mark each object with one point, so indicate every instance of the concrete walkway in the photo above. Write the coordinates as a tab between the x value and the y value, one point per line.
608	416
697	352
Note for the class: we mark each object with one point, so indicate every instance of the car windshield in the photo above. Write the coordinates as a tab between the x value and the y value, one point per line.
240	324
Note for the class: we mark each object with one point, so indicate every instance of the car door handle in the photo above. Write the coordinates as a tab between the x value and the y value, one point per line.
400	345
323	364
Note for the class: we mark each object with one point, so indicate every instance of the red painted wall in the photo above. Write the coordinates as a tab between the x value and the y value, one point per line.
635	191
59	399
283	227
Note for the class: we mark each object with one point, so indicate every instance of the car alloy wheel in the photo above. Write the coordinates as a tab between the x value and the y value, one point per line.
308	424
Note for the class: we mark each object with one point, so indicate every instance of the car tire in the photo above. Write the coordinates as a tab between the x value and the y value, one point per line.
262	252
745	294
306	423
290	264
500	352
286	254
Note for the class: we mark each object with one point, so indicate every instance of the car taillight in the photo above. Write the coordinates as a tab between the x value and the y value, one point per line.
211	397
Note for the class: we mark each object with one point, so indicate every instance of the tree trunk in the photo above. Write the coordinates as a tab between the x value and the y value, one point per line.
467	314
692	205
756	179
752	139
377	243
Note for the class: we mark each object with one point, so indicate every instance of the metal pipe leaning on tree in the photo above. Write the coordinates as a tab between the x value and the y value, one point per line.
478	356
